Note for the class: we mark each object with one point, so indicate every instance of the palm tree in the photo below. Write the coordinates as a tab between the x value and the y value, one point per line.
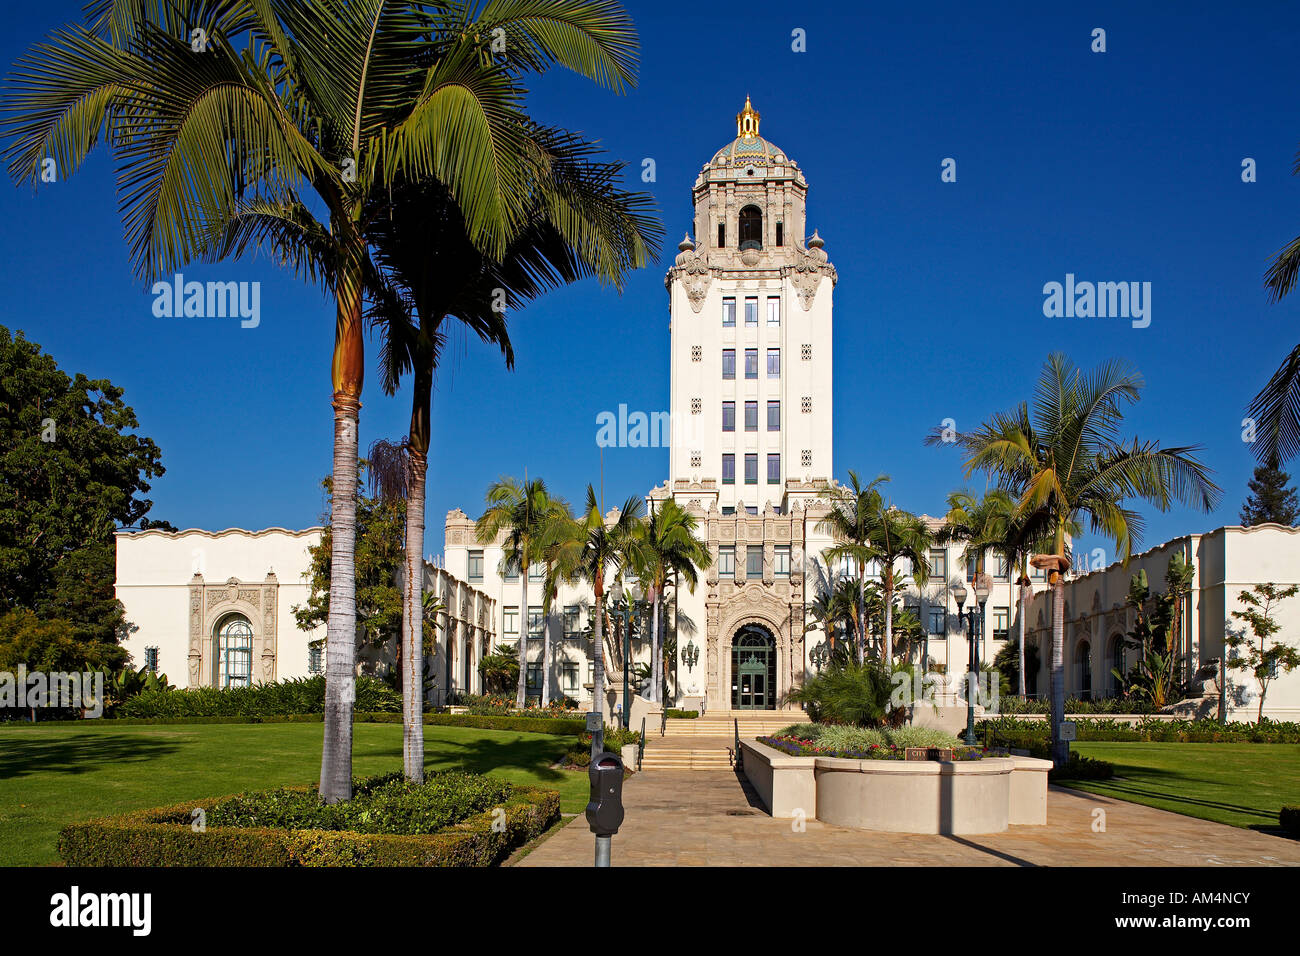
1276	409
523	510
590	549
292	108
849	522
552	554
606	233
667	548
897	536
1064	460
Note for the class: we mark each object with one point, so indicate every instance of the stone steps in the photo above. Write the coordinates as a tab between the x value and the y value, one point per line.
676	758
751	725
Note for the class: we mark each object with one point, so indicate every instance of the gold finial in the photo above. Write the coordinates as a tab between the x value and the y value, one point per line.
747	120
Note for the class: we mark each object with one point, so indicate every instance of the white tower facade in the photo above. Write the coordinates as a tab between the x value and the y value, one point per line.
751	301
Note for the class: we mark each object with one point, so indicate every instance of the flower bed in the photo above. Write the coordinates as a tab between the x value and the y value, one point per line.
454	819
809	747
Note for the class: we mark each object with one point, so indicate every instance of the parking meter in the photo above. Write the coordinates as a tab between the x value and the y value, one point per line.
605	809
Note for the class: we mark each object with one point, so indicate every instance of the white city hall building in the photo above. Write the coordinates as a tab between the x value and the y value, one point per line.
752	304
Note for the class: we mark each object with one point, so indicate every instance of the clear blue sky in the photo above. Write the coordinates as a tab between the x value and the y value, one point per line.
1117	166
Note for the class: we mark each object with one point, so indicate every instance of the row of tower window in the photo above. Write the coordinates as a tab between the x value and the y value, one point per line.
751	363
751	312
751	416
751	469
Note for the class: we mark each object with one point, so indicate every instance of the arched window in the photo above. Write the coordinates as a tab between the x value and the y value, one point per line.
234	652
1116	664
1083	667
751	228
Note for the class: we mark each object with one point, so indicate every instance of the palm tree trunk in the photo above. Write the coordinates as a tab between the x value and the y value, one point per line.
888	650
1060	748
862	617
413	622
655	663
347	373
1023	612
546	653
520	699
598	662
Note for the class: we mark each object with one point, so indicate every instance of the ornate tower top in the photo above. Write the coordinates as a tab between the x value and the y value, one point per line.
747	120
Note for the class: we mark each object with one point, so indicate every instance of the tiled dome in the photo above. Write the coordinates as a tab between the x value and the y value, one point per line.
748	147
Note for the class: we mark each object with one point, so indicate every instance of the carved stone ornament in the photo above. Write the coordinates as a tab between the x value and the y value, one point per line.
808	268
693	269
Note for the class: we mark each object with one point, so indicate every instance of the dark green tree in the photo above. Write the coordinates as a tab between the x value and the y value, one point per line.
1270	497
72	472
380	554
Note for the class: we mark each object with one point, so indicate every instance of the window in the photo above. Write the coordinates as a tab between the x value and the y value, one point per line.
315	659
1000	567
972	567
722	235
726	561
781	560
751	469
569	677
534	685
939	564
235	652
773	469
774	310
476	566
1037	574
535	622
510	622
728	416
751	416
751	363
780	234
1000	617
728	510
512	569
751	509
729	313
774	416
151	659
938	615
728	469
751	228
537	571
728	363
751	313
754	561
571	621
773	363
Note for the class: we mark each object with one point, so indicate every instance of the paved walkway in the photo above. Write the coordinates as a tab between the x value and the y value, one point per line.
693	818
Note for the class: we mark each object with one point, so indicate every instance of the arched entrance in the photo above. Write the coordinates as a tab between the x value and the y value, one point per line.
753	669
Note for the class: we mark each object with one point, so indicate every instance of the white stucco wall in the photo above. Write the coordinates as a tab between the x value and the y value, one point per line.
156	570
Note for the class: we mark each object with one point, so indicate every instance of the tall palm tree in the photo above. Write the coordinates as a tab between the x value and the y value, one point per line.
896	536
551	555
1063	460
1276	409
582	225
590	549
286	108
523	510
668	548
849	522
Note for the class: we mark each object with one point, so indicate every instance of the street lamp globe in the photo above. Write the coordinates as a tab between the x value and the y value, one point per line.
959	594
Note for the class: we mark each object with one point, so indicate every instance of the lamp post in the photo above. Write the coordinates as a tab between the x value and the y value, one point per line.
974	623
626	612
819	655
690	655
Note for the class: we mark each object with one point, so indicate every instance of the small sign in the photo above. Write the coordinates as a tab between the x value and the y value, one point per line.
1068	731
928	753
594	721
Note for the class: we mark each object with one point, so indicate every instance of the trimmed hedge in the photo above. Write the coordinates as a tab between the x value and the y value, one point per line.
1289	818
530	725
164	836
273	699
1016	732
675	714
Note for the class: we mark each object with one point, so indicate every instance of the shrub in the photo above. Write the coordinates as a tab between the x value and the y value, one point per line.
304	695
1082	768
676	714
803	731
164	836
1289	819
838	737
1149	730
910	736
849	693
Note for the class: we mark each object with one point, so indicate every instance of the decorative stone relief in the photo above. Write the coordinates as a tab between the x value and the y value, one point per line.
693	269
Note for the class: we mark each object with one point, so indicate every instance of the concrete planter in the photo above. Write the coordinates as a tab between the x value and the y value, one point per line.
629	756
983	796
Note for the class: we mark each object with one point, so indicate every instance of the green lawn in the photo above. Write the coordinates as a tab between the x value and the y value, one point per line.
1243	785
52	776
